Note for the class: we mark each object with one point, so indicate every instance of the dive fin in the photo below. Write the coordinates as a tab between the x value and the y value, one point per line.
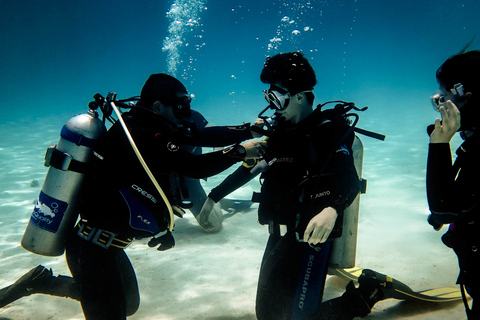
31	282
397	290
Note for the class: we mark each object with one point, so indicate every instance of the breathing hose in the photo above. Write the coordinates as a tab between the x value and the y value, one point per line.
145	166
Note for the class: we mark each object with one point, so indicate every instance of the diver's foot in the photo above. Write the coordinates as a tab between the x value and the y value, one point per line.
375	286
31	282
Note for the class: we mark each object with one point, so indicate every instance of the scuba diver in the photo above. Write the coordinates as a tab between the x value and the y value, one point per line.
453	191
308	179
196	193
119	201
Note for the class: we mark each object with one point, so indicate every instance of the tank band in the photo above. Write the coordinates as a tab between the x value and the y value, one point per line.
65	162
76	138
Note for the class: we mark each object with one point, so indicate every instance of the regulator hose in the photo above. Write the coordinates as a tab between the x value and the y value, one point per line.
145	166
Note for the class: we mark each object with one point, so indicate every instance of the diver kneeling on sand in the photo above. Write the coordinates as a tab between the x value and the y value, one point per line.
131	205
308	180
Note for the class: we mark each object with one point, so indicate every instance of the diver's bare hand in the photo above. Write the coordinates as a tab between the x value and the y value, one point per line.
448	126
320	227
255	149
259	123
204	214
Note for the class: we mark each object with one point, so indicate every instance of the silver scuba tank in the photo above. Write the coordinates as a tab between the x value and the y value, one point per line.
54	213
344	248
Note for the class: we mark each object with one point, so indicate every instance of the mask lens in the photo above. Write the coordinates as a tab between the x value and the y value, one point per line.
182	107
438	100
277	100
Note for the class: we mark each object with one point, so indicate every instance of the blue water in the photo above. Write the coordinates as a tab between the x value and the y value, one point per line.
56	54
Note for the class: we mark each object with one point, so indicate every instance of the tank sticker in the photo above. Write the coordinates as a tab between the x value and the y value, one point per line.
48	212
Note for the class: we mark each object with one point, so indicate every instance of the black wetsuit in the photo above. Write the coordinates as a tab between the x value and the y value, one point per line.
121	199
454	199
313	170
195	192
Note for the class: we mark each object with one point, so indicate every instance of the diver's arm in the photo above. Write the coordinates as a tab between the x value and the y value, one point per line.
440	172
347	180
342	165
237	179
441	196
348	185
321	225
217	136
240	177
204	165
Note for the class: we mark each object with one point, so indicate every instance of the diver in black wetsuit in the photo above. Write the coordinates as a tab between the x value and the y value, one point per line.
120	203
308	180
453	190
196	194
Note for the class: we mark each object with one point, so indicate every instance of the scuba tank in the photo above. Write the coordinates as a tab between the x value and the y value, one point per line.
344	248
55	213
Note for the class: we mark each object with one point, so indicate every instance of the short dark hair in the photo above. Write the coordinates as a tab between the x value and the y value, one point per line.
160	87
464	68
290	69
461	68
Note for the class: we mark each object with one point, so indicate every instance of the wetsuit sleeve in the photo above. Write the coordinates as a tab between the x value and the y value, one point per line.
234	181
217	136
200	166
347	180
441	185
341	163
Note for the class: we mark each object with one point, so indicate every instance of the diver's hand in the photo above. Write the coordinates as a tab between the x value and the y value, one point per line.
204	214
210	217
320	227
255	148
446	129
259	123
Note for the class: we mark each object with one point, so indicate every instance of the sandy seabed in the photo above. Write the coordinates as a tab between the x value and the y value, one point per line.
214	276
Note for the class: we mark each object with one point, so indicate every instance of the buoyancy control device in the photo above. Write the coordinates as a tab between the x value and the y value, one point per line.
55	213
343	252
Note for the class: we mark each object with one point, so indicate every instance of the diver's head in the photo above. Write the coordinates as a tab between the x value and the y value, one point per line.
165	95
291	79
459	80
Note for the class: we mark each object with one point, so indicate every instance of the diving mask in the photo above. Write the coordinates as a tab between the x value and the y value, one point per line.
181	107
440	99
277	98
